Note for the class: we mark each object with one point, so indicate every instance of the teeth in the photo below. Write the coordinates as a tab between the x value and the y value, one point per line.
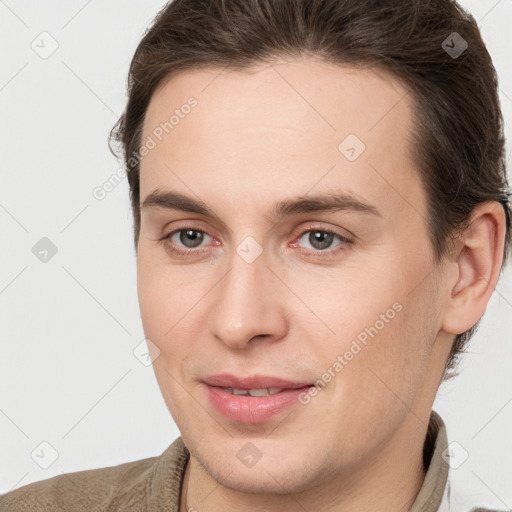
253	392
258	392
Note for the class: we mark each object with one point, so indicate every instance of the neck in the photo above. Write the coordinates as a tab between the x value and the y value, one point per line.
388	480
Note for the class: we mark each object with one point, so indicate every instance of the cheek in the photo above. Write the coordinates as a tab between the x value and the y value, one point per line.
376	332
153	301
395	360
350	304
378	371
158	301
163	307
171	302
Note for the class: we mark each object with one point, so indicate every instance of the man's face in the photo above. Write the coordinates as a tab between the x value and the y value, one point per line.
289	295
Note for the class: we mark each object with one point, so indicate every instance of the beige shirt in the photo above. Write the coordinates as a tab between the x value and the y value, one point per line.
154	484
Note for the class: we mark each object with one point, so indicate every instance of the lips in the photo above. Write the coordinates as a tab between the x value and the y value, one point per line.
249	399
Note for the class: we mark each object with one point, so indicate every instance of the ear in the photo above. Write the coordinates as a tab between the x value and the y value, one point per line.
478	264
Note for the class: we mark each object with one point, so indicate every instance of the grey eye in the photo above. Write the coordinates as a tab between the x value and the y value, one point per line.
190	238
319	239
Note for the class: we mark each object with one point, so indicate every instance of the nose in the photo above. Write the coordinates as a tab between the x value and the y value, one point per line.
249	305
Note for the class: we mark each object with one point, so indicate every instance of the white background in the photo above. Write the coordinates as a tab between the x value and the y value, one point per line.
68	327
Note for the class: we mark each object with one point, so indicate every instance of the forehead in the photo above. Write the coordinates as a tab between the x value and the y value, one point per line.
287	126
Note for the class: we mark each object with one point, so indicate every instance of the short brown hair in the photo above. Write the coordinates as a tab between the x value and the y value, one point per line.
459	145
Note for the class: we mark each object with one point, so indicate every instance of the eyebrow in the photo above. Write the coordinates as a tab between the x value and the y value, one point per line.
335	201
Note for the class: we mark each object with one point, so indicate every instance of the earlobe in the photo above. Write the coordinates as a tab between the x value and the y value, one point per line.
479	263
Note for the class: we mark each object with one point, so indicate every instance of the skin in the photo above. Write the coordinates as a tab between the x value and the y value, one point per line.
254	139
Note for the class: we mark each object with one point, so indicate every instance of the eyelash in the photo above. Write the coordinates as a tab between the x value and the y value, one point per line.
299	234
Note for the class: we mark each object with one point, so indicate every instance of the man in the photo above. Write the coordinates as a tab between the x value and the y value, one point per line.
321	215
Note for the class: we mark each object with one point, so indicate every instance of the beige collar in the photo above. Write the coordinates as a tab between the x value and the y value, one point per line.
431	493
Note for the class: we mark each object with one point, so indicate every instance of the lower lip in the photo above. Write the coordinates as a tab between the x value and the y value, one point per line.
252	409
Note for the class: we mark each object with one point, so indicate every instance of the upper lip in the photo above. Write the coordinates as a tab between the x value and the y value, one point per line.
227	380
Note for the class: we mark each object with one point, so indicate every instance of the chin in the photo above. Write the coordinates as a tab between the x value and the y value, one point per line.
260	481
274	473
